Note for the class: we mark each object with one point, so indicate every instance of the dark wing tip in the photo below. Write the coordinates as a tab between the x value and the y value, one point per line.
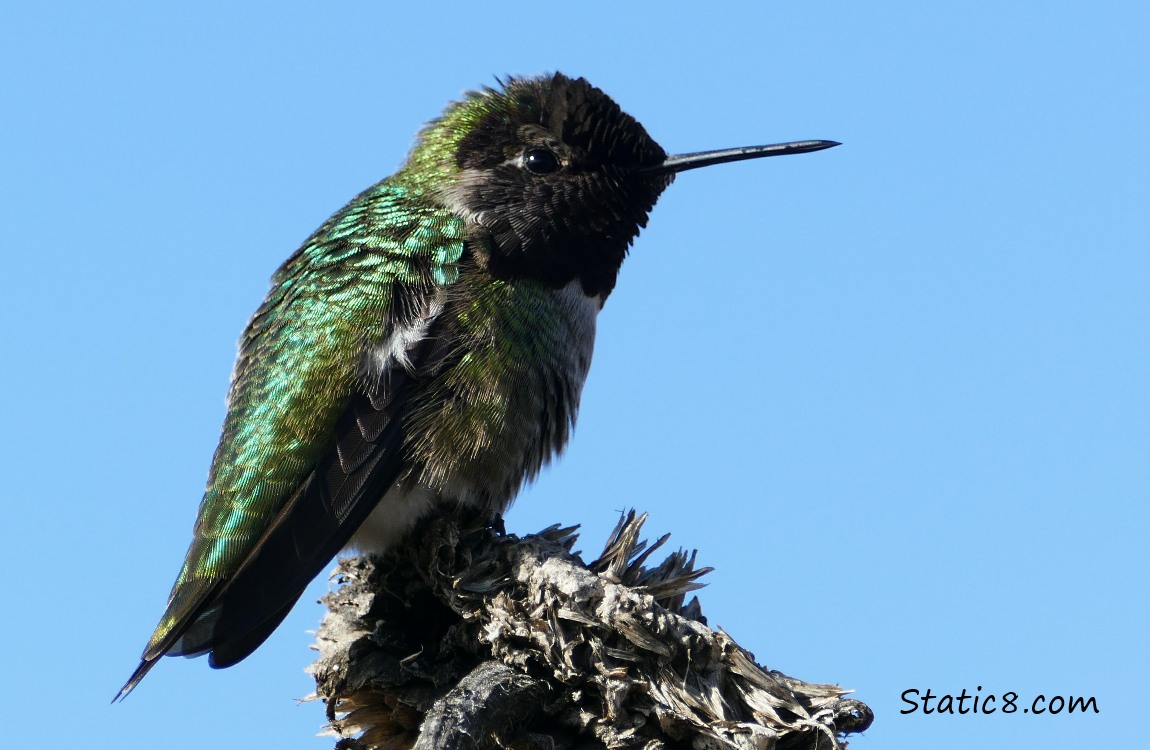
142	670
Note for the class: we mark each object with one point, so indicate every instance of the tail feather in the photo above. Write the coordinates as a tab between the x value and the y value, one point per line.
236	650
141	671
237	614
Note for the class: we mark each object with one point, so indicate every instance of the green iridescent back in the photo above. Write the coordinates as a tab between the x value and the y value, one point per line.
298	365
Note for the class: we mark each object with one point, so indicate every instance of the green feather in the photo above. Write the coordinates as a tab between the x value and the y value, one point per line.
298	364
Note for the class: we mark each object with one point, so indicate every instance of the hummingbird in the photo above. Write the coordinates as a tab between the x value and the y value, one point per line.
427	345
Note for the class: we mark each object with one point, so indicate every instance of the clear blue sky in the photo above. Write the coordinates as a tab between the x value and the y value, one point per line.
896	392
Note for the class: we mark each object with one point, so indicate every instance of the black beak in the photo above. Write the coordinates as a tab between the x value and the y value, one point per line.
683	162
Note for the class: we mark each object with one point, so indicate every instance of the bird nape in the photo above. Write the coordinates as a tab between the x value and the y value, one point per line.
427	345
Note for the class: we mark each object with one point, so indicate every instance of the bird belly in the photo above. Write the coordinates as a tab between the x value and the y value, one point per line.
485	429
392	519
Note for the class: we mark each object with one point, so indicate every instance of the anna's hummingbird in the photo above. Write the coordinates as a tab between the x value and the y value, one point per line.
427	345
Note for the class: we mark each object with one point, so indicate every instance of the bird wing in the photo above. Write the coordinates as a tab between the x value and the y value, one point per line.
313	434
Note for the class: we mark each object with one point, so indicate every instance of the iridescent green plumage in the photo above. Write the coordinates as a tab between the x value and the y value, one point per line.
298	366
428	344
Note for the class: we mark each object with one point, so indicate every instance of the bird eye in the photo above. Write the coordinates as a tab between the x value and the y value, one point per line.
540	161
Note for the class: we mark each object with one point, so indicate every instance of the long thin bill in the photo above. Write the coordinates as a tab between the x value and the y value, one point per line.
683	162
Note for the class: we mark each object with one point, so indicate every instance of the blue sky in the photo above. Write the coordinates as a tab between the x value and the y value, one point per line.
896	392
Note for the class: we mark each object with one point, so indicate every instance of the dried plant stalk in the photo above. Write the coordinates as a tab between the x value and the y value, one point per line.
470	638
